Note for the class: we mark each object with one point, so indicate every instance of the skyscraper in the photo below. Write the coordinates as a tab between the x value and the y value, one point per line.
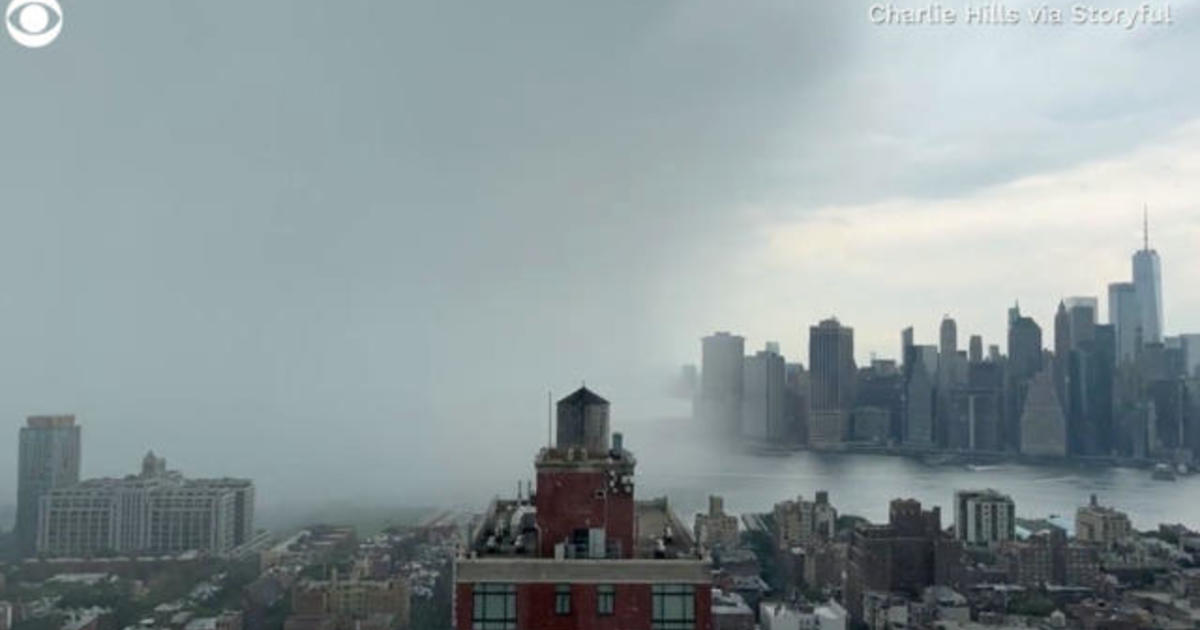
1024	345
1077	371
831	382
918	405
764	397
948	335
975	349
1191	355
1101	395
1024	361
1125	316
906	342
1082	310
1043	427
1062	350
720	401
48	458
1147	283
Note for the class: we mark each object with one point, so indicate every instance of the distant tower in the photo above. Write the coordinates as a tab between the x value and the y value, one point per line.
1082	310
721	381
153	466
1024	361
906	342
764	402
948	337
1024	348
975	350
1124	313
918	404
1062	350
1014	313
1149	287
831	380
1147	282
48	458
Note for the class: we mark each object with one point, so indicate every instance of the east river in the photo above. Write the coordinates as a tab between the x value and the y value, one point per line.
687	471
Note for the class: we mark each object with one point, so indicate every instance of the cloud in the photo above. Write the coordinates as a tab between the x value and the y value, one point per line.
891	263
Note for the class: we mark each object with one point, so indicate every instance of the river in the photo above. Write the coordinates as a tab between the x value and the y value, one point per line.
687	470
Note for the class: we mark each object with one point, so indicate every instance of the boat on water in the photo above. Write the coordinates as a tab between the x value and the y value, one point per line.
1163	472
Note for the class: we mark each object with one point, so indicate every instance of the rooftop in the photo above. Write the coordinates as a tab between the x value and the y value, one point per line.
509	528
584	396
727	603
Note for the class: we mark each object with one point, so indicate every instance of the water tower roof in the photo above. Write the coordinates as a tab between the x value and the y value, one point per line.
584	396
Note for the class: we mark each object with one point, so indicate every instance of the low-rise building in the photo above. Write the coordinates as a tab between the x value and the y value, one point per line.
1049	558
820	564
984	517
1102	525
349	602
904	556
730	612
155	512
716	529
781	616
801	521
228	620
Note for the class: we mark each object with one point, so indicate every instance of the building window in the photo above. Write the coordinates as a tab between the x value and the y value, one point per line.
562	599
495	607
674	607
606	599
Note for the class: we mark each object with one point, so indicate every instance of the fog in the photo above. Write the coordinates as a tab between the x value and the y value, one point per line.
346	249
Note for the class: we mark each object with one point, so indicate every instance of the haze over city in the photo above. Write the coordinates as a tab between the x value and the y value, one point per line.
341	246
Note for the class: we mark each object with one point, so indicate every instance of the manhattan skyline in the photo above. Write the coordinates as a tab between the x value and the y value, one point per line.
793	343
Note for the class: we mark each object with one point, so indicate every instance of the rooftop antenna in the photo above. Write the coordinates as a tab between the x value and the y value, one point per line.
549	420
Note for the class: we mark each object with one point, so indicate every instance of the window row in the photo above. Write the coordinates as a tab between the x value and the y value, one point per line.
495	605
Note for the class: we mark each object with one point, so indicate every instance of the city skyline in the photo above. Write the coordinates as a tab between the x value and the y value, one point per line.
1145	259
1120	392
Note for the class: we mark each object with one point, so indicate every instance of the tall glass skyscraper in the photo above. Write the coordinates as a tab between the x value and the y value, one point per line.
1147	283
48	458
1125	315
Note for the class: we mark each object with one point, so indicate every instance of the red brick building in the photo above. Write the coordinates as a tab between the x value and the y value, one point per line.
579	553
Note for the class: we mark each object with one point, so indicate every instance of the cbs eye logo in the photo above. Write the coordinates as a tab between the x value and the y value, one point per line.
33	23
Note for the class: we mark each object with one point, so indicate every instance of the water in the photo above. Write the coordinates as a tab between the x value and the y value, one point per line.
674	462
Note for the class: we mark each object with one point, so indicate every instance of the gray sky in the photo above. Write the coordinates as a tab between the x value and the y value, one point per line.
348	246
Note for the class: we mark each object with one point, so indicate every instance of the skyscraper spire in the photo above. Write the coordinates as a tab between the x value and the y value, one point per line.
1145	227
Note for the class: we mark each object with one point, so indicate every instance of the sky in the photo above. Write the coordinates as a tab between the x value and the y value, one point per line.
347	248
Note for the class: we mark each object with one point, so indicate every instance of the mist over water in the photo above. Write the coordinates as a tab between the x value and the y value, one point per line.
678	461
